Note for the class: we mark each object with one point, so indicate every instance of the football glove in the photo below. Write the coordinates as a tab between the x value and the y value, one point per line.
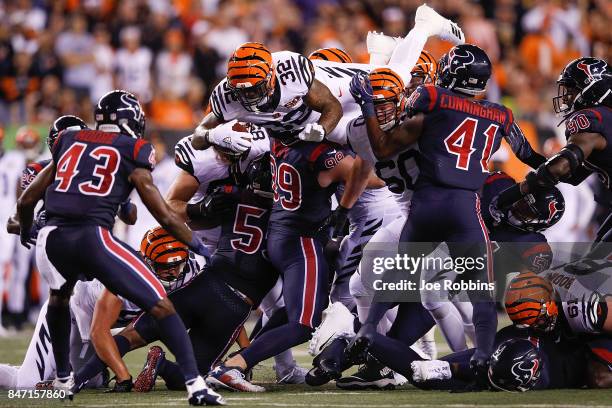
313	132
229	139
220	203
361	90
479	363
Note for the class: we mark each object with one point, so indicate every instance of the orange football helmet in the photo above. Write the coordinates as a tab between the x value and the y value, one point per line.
530	302
331	54
251	76
424	71
389	97
165	255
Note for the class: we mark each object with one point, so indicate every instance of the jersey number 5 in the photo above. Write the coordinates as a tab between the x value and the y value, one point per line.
253	235
461	143
103	175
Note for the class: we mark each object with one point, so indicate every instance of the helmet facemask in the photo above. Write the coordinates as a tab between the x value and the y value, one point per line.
563	103
254	97
386	114
171	274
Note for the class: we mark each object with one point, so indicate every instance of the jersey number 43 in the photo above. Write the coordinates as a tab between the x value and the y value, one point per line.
101	180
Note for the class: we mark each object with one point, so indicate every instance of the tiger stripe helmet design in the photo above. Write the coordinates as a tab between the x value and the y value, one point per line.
530	302
331	54
389	97
164	254
426	68
250	75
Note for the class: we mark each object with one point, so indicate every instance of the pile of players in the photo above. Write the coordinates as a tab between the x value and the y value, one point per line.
404	143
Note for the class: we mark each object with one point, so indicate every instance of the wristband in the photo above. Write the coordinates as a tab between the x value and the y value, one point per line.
367	108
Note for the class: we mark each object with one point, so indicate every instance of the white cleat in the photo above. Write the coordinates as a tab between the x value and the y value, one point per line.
380	47
199	394
337	322
430	370
65	384
438	25
295	375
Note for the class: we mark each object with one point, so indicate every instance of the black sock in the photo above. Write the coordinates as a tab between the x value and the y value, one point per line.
174	335
274	342
411	323
485	325
95	365
58	320
172	375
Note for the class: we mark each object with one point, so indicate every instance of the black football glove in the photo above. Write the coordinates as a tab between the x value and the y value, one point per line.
336	220
219	204
479	363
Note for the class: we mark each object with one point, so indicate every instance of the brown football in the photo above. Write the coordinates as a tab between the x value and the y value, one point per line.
240	127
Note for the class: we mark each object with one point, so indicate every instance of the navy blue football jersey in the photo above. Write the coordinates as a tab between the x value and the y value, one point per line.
459	136
91	176
594	120
300	203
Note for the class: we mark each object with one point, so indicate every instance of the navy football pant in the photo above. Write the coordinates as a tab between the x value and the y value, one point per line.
92	252
453	216
304	269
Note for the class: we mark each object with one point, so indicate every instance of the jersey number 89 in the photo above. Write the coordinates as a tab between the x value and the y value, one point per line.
286	185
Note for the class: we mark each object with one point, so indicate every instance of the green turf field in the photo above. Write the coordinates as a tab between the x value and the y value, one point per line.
13	349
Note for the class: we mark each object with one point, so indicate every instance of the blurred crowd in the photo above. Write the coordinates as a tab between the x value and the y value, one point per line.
59	56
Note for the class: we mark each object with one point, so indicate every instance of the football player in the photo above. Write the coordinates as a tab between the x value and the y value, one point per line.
91	174
277	91
453	166
577	309
584	98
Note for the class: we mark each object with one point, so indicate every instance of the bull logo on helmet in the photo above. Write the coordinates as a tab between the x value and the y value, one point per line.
593	70
457	61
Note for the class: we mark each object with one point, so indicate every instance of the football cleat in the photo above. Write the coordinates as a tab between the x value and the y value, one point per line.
230	378
65	384
438	25
145	381
337	323
380	47
295	375
199	394
371	375
426	370
317	377
121	386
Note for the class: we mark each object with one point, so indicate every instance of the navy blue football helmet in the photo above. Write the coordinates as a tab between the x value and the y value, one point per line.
465	69
121	109
537	211
516	365
584	83
66	122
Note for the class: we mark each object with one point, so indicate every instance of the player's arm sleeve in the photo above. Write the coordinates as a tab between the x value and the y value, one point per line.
143	154
423	100
184	156
216	102
306	71
520	145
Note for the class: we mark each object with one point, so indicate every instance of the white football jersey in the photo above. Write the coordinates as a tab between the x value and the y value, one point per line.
294	76
212	171
399	172
580	286
12	164
337	77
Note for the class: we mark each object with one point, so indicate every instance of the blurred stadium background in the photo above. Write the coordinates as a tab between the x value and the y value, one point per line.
59	56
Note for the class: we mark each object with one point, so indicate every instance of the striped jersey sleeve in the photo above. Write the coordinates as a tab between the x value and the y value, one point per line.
184	155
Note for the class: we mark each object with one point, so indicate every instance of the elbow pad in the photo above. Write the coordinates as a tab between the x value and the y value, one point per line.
573	154
542	178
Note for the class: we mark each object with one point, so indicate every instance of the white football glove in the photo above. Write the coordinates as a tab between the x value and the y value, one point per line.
313	132
227	138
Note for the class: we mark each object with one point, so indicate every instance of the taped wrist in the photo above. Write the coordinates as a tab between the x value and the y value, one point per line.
573	154
367	108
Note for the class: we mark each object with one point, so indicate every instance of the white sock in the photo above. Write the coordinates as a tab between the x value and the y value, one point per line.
283	362
466	310
407	52
8	376
449	321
